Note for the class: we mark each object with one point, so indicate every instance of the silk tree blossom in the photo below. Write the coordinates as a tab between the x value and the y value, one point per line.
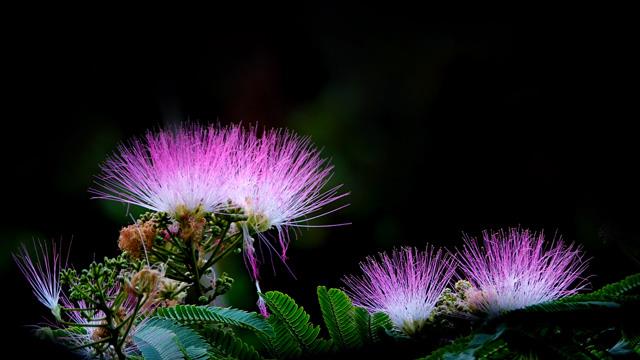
170	170
405	285
278	181
42	271
513	270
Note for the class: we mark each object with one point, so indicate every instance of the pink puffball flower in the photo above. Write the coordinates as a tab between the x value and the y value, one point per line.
278	181
172	169
405	285
42	271
513	270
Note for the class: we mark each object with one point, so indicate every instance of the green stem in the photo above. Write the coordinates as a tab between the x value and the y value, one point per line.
130	320
83	325
166	252
222	236
231	247
87	298
178	273
193	267
78	309
110	325
91	344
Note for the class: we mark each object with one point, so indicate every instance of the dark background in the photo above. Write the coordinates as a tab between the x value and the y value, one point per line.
435	128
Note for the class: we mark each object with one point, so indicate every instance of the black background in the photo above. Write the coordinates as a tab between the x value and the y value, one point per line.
435	128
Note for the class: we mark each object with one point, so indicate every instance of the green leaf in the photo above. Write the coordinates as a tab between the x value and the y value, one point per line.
243	319
338	314
625	286
585	313
192	314
525	342
371	326
163	339
458	347
294	335
623	291
465	347
558	306
226	345
497	349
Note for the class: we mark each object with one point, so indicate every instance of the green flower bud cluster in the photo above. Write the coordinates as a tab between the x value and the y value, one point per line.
223	284
220	222
216	224
190	243
94	282
162	219
451	302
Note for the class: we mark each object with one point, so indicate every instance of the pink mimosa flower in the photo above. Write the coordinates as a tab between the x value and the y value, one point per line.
169	169
278	181
513	270
42	271
405	285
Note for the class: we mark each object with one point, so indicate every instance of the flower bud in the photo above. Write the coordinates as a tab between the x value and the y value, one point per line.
144	281
132	237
